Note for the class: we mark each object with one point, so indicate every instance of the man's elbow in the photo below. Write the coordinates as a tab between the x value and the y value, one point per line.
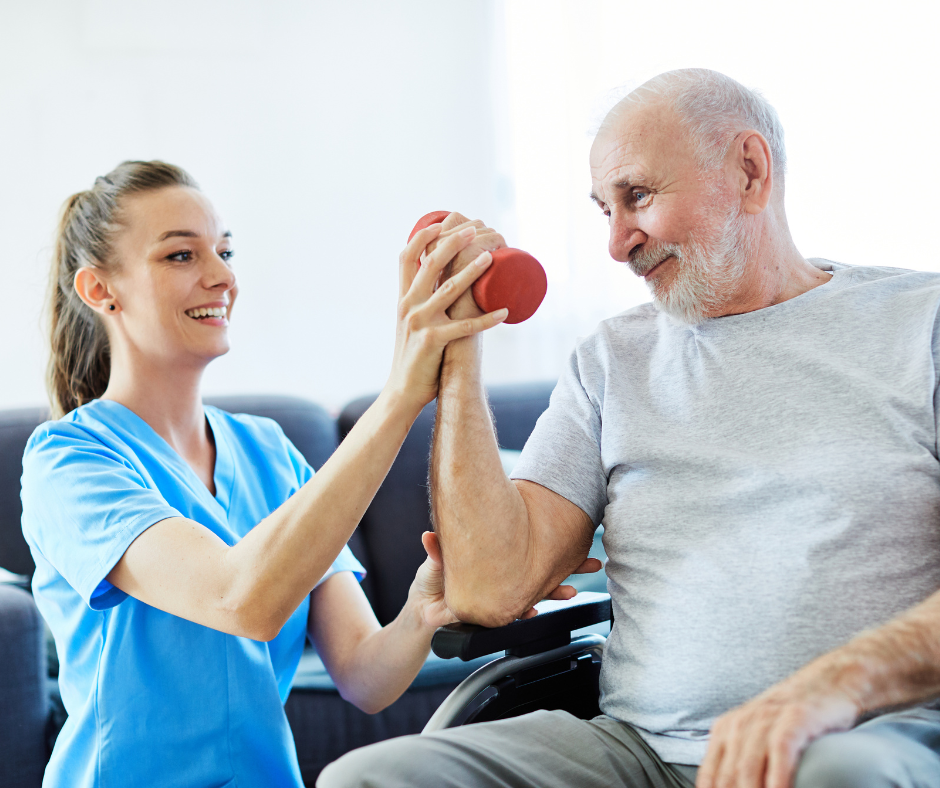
366	705
485	609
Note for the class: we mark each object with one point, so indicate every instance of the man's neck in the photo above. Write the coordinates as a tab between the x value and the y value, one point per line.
776	273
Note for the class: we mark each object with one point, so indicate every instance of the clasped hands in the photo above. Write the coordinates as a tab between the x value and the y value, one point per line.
435	306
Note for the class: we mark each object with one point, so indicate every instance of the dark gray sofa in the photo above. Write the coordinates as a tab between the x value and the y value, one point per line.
387	542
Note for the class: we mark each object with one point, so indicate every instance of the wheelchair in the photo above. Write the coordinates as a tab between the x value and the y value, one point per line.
543	666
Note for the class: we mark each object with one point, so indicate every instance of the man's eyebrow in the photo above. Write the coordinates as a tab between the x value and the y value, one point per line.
186	234
623	185
629	183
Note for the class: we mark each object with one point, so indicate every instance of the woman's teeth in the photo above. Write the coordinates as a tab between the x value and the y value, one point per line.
214	311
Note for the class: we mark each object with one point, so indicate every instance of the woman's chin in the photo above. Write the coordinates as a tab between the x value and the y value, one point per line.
216	352
209	352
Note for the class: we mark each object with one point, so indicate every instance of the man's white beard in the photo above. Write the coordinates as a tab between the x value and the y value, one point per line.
709	268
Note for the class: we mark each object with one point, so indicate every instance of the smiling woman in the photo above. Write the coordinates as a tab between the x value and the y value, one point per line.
183	554
80	361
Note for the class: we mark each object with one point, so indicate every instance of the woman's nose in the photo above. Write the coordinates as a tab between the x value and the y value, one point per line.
220	274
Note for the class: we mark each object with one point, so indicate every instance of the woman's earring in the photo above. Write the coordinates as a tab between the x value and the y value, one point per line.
111	307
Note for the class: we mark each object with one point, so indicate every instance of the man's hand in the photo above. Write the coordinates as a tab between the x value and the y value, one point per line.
759	744
425	326
486	240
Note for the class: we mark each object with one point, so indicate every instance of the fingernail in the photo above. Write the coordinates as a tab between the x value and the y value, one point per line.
484	260
468	232
502	314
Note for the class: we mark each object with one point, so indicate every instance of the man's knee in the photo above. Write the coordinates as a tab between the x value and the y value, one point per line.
404	762
850	760
369	767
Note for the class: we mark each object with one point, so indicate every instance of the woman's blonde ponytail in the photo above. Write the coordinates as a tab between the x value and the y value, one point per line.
80	360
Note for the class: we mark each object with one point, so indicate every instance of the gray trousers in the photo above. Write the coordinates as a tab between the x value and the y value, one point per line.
552	749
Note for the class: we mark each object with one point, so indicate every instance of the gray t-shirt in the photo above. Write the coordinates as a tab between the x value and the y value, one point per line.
768	483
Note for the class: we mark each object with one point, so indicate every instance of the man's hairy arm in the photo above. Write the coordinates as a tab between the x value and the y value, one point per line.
759	744
506	544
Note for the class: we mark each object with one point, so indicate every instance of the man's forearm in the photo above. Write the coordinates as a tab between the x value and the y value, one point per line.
895	665
480	518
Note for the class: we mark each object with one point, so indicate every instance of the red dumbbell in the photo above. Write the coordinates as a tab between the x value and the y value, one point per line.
515	280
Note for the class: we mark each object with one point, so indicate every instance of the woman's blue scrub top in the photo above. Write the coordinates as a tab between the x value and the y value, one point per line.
154	699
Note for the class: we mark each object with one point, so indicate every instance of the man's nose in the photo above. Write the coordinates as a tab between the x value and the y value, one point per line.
625	236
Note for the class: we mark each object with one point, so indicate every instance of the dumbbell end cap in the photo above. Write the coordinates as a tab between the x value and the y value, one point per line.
427	220
515	281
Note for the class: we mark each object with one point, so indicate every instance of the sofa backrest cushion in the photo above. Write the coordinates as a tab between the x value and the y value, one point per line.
24	705
15	428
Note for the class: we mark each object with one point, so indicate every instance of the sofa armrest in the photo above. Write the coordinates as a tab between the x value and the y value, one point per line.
551	628
23	689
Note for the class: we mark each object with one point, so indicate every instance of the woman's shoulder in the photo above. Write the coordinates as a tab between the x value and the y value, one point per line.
91	436
86	424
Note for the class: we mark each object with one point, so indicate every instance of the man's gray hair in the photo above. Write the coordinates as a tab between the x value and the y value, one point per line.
715	109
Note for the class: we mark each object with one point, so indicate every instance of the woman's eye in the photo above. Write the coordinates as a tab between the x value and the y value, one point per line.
181	257
227	254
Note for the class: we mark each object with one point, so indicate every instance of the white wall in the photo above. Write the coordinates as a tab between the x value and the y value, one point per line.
321	130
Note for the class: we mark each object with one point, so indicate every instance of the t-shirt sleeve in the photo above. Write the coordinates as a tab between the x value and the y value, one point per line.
563	452
935	349
345	561
83	505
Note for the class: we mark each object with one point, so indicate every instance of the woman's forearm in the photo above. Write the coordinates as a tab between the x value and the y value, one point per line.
371	665
253	587
386	662
278	562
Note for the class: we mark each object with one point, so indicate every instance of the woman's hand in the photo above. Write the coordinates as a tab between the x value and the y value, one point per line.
424	327
427	589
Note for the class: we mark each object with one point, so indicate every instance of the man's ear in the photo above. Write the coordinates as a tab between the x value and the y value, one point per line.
755	164
93	290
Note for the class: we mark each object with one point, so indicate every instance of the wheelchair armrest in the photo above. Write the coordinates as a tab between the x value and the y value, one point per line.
551	628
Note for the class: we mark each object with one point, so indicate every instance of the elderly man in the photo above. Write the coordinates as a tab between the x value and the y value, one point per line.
761	445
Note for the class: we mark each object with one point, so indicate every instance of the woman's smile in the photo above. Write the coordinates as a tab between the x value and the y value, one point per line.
210	314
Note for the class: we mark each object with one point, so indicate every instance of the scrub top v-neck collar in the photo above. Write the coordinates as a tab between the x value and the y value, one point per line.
222	473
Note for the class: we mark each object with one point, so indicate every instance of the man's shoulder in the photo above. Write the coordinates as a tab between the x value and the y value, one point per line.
901	278
887	291
629	325
626	337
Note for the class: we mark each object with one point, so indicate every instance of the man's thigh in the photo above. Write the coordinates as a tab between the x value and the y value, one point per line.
544	749
900	749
